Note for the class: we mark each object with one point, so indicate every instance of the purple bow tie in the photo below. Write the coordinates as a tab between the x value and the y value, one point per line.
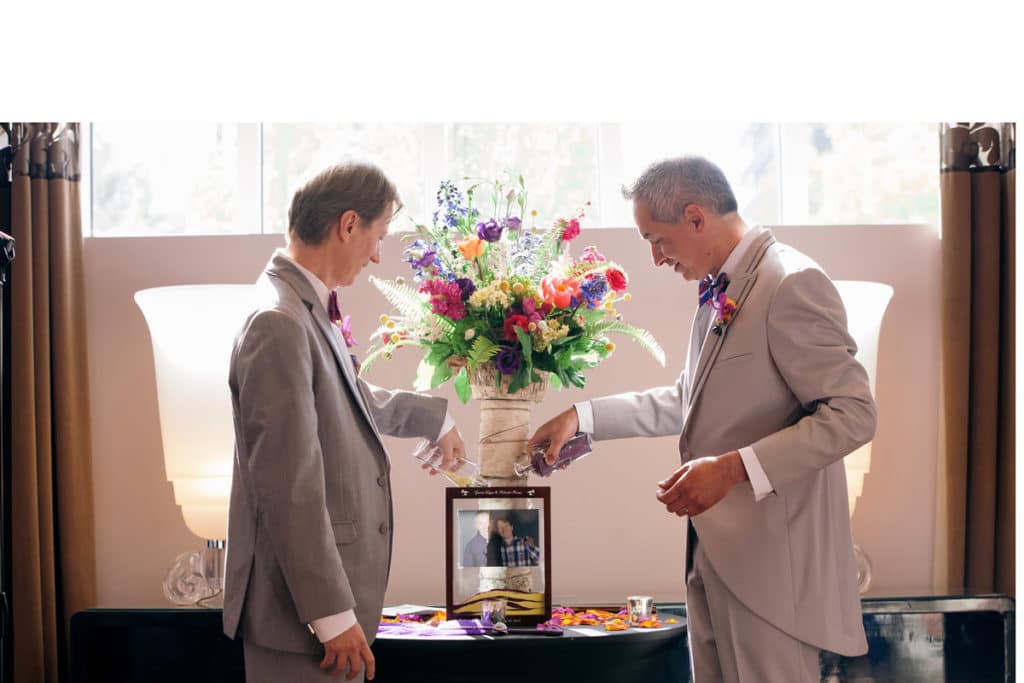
710	289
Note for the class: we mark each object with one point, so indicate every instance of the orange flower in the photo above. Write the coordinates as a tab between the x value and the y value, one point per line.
616	625
558	291
471	248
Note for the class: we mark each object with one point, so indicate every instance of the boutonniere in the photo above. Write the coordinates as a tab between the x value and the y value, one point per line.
726	309
345	325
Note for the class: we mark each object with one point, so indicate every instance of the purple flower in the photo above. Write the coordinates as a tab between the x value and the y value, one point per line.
508	361
467	287
593	290
512	223
428	258
489	231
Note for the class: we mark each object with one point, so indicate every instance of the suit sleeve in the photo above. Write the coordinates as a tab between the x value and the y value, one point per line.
810	345
405	414
273	367
655	412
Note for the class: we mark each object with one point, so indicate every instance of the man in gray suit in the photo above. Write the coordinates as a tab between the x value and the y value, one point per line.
771	400
310	520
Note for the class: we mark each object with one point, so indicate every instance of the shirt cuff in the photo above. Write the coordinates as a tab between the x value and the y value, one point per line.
585	416
334	625
758	479
446	427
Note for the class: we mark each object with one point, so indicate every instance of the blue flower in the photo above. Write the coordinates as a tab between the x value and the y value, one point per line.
593	290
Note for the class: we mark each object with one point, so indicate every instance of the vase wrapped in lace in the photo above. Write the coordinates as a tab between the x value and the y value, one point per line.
504	431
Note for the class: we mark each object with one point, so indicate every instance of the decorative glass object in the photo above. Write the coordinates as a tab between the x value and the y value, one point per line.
865	304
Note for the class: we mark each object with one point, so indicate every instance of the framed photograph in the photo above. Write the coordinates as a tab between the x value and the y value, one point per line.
498	543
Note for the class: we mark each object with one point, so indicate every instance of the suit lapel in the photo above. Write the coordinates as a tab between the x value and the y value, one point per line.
285	271
739	288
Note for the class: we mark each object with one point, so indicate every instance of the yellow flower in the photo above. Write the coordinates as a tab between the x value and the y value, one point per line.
611	311
391	324
532	327
534	213
387	355
518	287
609	347
505	286
395	338
399	280
383	319
627	297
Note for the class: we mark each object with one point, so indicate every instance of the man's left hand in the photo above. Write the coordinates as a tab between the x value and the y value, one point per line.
699	484
452	449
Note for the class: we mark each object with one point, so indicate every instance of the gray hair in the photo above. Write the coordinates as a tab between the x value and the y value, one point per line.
667	186
317	205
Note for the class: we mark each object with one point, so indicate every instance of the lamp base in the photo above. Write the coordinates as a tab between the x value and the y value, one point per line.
863	569
197	578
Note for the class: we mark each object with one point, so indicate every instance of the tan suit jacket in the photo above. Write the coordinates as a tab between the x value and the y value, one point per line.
310	519
782	378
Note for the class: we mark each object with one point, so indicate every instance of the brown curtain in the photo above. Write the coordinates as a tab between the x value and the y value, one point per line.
53	539
978	176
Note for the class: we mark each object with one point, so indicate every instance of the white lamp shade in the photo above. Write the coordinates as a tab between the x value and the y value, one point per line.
865	304
193	328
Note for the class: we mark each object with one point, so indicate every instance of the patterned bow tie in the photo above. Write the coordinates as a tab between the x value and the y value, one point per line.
710	289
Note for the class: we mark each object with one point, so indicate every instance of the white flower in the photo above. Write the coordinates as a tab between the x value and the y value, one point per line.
470	333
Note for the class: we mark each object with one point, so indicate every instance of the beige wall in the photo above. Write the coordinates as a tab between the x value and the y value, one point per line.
611	537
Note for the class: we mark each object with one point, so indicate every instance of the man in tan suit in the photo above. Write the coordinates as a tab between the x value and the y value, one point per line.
310	521
770	401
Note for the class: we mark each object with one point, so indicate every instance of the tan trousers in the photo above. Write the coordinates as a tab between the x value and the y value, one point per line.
263	665
731	644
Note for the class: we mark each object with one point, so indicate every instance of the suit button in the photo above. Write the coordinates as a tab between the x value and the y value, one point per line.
383	527
382	480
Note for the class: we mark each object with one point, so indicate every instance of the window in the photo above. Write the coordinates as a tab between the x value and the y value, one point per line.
238	178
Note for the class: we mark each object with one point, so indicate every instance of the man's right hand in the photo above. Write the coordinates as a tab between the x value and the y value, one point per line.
349	650
555	432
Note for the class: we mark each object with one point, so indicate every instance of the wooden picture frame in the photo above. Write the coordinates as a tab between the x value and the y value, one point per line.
498	545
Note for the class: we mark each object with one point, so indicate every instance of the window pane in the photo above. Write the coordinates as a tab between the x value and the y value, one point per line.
558	161
860	173
746	153
175	179
295	152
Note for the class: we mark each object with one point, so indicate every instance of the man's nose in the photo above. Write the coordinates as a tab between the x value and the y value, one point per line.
657	256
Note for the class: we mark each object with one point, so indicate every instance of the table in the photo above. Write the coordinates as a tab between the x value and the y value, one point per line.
914	639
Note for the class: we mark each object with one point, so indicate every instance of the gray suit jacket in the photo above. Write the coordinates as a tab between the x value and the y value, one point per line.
310	518
781	378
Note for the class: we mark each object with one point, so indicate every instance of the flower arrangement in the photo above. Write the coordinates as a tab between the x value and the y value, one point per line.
488	288
726	308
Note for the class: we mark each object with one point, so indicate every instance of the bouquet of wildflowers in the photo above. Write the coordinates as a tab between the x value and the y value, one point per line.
488	288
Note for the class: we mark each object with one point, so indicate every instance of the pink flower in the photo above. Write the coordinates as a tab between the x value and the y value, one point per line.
346	331
572	230
559	291
445	298
592	255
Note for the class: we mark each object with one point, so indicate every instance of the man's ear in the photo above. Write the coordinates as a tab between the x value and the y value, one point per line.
693	217
347	224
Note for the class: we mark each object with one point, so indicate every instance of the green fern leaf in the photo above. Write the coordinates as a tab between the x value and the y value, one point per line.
640	336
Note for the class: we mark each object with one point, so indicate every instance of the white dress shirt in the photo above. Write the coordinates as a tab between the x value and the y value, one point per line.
755	472
334	625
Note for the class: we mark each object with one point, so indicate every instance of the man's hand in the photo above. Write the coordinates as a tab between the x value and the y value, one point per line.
699	484
349	650
452	449
555	432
